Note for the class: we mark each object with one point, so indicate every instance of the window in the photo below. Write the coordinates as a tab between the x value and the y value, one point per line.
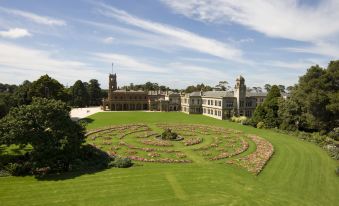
215	103
229	104
198	101
219	103
192	101
209	102
215	112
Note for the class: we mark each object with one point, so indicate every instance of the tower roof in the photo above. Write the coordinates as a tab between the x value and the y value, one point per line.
241	78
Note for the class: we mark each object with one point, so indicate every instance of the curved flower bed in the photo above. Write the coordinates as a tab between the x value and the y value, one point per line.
155	142
122	143
192	141
147	134
160	160
243	148
120	128
256	161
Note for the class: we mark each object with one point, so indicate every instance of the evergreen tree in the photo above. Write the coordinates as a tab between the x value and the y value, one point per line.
94	92
47	87
268	111
46	126
80	97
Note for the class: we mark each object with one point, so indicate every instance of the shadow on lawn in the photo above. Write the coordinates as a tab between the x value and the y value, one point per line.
92	160
83	120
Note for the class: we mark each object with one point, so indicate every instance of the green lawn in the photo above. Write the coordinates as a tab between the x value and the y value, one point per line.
299	173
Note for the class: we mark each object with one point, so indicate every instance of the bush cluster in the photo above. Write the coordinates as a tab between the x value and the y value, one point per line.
169	135
242	120
121	162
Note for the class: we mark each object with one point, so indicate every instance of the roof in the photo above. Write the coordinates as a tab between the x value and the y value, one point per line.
194	94
218	94
256	94
125	91
156	92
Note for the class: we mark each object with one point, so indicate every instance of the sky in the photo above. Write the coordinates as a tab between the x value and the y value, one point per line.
172	42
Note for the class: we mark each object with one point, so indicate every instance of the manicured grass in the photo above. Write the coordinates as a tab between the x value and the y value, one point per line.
299	173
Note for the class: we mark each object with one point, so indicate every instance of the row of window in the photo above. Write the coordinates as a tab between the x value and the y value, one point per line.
129	97
212	112
213	102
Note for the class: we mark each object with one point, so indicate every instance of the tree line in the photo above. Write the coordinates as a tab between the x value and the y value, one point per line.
313	104
81	94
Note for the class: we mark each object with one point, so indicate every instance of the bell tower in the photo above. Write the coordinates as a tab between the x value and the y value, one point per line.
240	94
112	84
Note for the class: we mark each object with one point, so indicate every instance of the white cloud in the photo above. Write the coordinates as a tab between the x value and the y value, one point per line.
176	36
285	19
315	23
19	63
108	40
15	33
34	17
322	48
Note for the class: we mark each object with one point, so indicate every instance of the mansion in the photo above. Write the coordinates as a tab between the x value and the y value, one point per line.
216	104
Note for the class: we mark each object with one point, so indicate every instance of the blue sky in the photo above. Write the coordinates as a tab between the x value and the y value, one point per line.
172	42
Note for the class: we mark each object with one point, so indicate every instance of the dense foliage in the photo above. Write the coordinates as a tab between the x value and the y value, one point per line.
80	94
45	125
47	87
267	112
148	86
198	88
169	135
313	105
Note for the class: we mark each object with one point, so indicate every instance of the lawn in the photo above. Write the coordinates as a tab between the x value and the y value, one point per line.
298	173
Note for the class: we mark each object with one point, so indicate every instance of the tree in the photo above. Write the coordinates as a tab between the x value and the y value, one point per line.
290	115
22	93
47	87
46	126
7	101
257	89
289	89
198	88
223	86
268	111
282	88
267	87
94	92
80	97
317	94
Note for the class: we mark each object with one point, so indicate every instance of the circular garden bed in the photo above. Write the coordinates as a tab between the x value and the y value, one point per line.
178	143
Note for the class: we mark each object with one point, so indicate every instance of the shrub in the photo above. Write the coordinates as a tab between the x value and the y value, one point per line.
304	136
241	119
334	134
121	162
317	138
169	135
333	151
261	125
18	169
